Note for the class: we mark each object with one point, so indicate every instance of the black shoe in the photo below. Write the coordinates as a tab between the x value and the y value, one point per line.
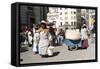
30	45
44	56
21	59
36	52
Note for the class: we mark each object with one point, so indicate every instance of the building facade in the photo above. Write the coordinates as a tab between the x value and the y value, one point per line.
63	16
71	17
89	16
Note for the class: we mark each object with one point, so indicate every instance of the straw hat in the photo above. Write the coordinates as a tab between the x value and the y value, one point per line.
43	21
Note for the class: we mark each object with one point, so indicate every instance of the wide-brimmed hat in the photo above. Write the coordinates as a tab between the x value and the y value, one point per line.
84	24
43	21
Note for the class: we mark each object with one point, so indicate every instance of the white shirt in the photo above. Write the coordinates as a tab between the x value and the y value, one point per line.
84	33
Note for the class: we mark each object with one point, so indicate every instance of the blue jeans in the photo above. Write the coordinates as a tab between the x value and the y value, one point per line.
60	39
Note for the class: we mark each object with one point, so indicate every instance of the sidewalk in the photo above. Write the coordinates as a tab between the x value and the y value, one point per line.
61	54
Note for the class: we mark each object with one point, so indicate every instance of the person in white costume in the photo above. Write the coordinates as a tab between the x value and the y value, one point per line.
84	33
35	40
30	38
44	40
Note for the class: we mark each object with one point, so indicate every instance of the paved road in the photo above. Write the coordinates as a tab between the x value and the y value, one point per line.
62	54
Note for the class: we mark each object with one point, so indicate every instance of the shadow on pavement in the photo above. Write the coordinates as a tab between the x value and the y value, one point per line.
80	48
23	49
56	53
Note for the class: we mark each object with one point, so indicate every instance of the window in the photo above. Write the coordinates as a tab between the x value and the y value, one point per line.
75	24
29	8
60	18
60	13
72	23
71	17
66	18
61	23
60	8
56	10
74	12
65	12
71	12
74	17
66	23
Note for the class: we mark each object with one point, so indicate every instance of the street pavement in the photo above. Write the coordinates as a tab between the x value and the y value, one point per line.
61	54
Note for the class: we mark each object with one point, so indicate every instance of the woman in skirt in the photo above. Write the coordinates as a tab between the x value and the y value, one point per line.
84	37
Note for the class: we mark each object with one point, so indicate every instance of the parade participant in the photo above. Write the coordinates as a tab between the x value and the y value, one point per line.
29	34
61	36
35	41
56	33
84	33
52	33
45	39
84	37
25	35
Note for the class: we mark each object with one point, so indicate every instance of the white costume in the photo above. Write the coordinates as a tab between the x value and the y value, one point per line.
44	42
29	37
35	41
84	34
